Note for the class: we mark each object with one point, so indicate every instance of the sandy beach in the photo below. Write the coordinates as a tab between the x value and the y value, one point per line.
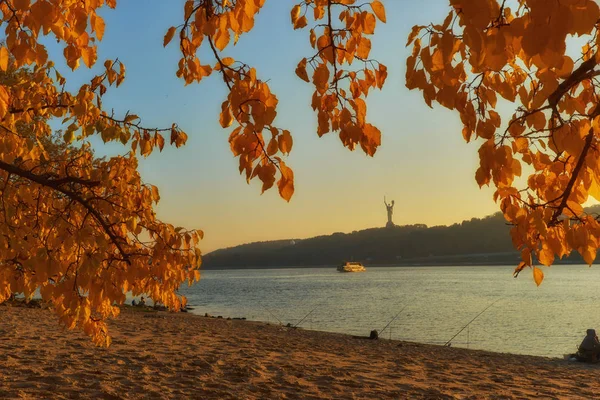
177	355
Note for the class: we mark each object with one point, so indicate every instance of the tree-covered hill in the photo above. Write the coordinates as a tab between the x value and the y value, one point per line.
474	242
397	245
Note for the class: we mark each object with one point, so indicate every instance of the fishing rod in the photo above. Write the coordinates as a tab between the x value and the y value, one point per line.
396	316
273	315
464	327
306	316
311	311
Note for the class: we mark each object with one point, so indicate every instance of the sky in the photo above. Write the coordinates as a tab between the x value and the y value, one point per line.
423	163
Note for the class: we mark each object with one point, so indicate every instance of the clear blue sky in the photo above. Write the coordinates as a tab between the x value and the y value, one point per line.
423	164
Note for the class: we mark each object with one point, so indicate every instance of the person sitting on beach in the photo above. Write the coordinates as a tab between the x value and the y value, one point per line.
589	349
133	303
142	302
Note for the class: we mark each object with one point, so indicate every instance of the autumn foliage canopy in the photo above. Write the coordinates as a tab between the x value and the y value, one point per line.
82	230
521	74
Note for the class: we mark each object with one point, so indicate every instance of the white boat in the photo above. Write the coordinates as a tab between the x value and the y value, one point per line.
351	267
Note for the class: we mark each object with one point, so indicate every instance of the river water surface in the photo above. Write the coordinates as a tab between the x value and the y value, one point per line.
436	303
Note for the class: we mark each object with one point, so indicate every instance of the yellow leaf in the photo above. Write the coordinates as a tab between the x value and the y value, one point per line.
99	26
160	141
121	75
89	56
381	75
155	193
72	55
169	35
285	142
321	78
364	48
538	276
301	22
226	117
272	147
188	8
80	20
222	39
286	182
4	58
319	12
295	13
361	110
227	61
589	255
379	10
372	139
369	24
4	101
437	60
546	256
413	34
130	118
313	38
301	70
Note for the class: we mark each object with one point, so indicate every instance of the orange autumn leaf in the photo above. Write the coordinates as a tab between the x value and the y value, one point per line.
301	22
4	101
89	56
226	118
321	78
546	256
99	25
286	182
295	13
589	255
379	10
301	70
169	36
222	38
285	142
4	58
538	276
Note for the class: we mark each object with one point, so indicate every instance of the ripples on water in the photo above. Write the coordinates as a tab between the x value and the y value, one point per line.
549	320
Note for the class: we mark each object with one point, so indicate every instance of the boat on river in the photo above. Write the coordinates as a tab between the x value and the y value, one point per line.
351	267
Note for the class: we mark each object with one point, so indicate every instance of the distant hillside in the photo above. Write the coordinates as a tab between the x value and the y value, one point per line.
401	244
476	242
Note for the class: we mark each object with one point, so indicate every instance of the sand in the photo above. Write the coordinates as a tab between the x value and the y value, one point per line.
177	355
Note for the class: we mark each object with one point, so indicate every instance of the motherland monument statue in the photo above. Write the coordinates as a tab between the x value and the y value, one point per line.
390	212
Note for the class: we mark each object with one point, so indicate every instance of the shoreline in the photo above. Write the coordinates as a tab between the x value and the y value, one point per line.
158	354
392	265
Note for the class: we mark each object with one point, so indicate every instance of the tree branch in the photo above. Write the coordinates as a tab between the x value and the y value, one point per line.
57	185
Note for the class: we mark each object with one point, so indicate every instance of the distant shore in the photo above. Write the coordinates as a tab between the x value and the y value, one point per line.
178	355
422	263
